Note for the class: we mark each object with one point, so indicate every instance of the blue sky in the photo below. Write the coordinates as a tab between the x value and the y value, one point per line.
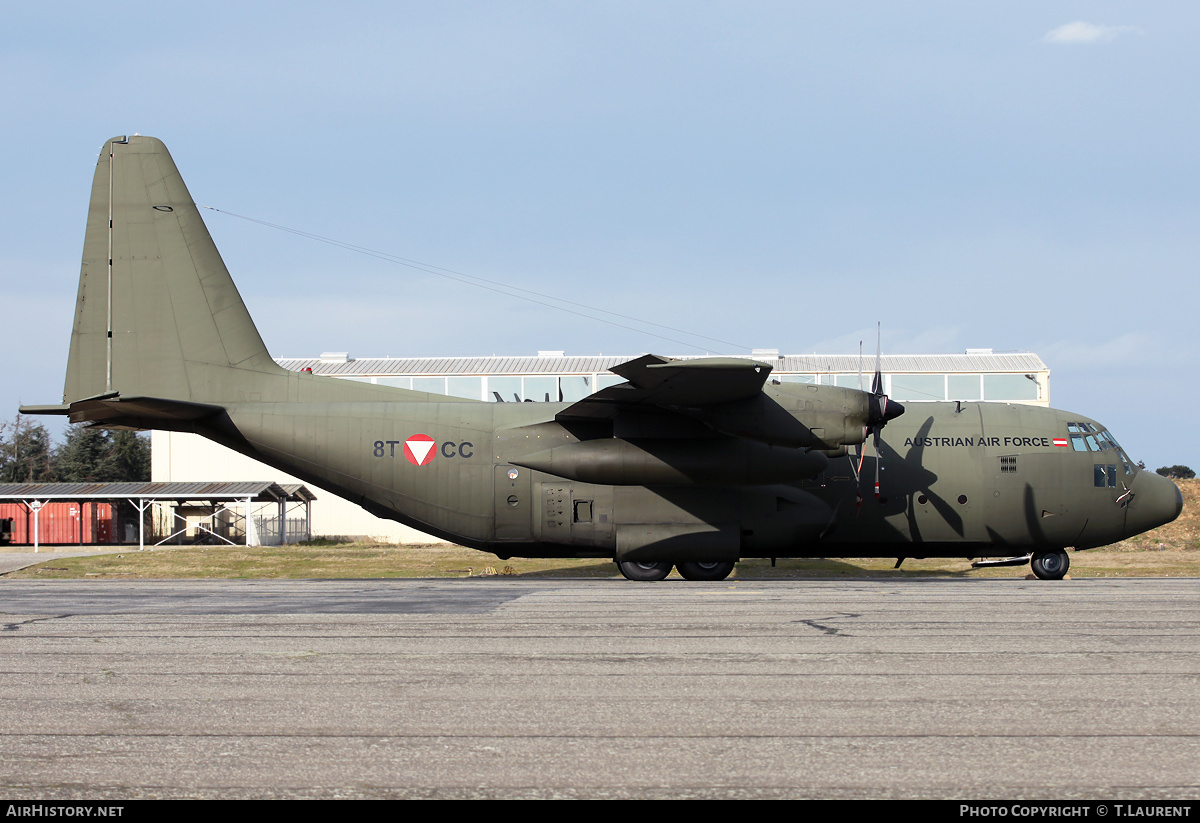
1018	176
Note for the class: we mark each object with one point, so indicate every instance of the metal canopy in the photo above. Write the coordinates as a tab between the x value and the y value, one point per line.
258	492
147	495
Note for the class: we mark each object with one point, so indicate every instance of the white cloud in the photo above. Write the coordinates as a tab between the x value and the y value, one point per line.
1081	32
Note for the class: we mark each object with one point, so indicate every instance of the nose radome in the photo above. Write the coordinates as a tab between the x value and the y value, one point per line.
1156	500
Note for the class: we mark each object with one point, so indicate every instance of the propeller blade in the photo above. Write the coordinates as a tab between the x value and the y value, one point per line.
877	383
860	383
881	408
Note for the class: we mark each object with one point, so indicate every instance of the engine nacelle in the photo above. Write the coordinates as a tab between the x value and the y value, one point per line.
832	416
716	461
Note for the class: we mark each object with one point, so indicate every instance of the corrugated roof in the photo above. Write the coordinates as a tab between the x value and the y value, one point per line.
257	490
593	364
297	492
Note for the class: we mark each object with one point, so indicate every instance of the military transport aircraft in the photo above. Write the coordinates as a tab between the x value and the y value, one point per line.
692	464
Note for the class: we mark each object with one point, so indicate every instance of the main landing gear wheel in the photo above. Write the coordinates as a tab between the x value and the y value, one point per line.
1050	565
704	571
632	570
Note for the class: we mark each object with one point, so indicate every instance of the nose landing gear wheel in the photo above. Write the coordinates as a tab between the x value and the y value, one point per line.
632	570
704	571
1050	565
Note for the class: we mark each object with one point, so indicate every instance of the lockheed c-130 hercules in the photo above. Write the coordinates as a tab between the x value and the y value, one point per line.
693	464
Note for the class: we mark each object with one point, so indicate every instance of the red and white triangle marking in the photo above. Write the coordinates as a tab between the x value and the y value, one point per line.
419	450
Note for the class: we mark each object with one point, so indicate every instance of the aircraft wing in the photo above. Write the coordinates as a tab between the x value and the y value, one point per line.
657	381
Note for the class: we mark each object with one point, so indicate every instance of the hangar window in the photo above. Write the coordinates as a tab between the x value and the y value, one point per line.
541	389
1009	387
964	387
433	385
504	388
907	387
574	387
468	387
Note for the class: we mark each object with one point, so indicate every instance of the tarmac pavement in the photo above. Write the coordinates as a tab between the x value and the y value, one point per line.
508	688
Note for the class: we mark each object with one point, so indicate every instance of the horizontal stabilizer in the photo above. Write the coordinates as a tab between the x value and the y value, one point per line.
138	412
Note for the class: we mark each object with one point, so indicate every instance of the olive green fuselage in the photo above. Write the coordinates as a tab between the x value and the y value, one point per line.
970	479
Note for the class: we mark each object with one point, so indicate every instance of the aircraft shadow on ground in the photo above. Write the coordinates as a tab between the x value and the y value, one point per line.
762	570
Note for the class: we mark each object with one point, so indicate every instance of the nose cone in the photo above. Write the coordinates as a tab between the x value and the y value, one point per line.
1156	500
882	409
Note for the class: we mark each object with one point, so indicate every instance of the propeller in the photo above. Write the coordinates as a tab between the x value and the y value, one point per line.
880	408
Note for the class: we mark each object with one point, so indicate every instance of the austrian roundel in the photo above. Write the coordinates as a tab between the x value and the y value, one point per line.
419	449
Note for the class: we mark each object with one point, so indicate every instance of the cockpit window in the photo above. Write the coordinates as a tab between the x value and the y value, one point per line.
1087	437
1127	464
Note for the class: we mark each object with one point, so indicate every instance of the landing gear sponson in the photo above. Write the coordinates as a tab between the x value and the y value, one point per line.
633	570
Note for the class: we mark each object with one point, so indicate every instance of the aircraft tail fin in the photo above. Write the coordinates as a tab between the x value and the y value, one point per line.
157	314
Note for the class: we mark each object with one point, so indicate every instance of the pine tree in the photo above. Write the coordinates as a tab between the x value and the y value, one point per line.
81	458
92	455
25	455
128	457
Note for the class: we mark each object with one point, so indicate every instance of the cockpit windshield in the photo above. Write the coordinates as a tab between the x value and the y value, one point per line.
1088	437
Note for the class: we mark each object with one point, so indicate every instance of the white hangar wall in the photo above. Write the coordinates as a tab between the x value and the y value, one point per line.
182	456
